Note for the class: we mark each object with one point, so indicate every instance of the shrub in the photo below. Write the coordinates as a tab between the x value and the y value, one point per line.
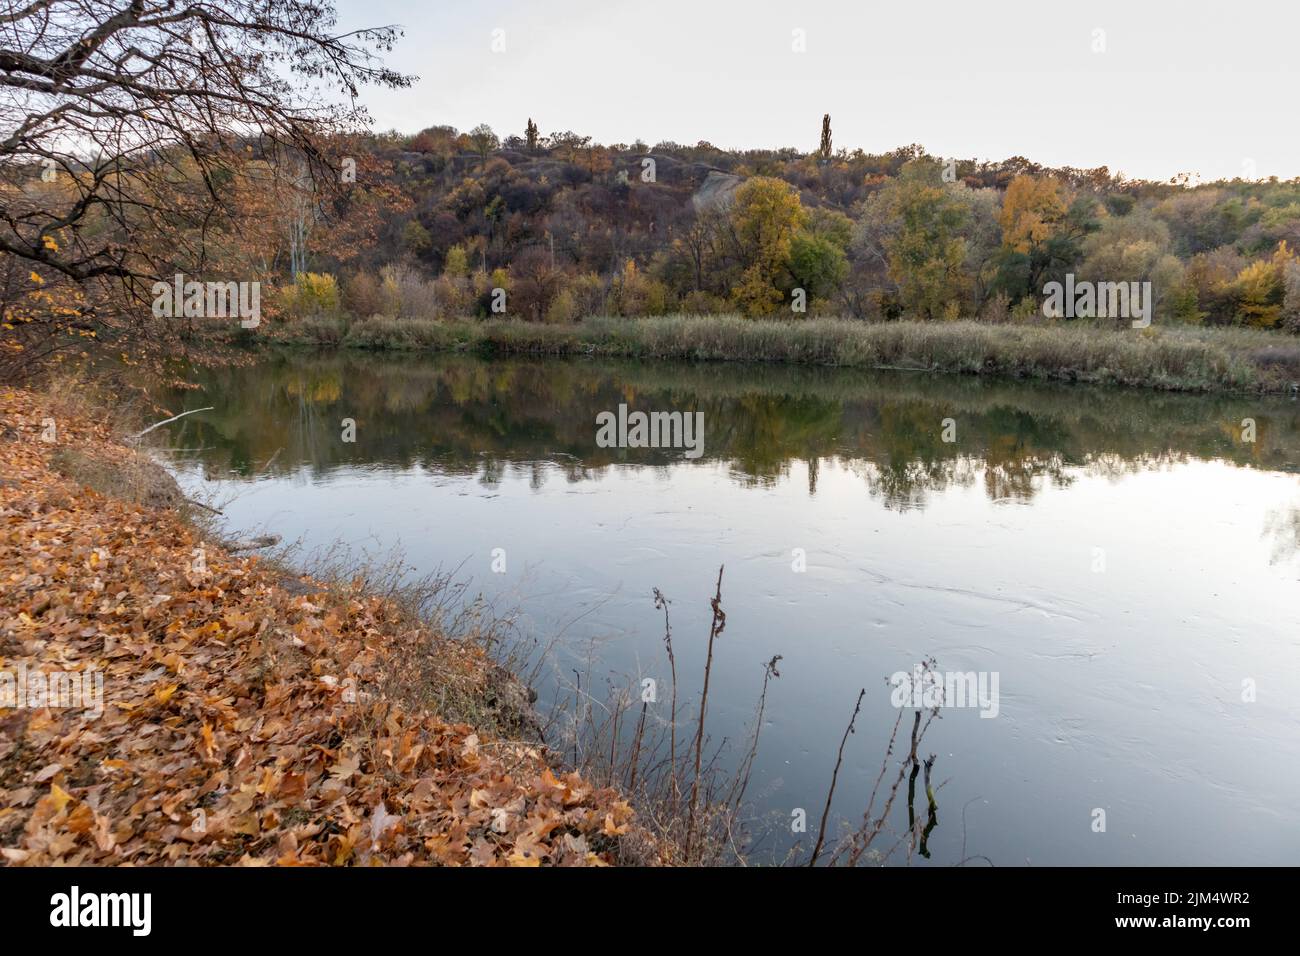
453	295
590	295
362	294
699	302
997	309
537	283
323	329
1182	304
311	294
636	294
405	294
485	285
415	239
563	308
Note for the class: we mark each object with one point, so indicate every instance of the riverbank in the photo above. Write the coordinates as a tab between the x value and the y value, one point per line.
1169	358
223	713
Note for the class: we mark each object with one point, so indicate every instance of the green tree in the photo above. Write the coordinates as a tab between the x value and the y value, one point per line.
831	225
817	264
415	238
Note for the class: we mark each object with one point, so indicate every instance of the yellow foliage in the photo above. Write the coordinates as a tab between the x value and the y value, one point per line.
1030	211
766	215
312	293
1259	289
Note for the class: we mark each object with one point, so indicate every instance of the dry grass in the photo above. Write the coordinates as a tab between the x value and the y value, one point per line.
691	797
1182	359
1176	358
464	651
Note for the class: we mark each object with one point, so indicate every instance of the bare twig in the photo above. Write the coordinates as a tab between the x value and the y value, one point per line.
715	629
747	765
662	602
821	830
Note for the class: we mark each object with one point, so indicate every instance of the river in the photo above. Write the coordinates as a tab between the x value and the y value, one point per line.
1120	570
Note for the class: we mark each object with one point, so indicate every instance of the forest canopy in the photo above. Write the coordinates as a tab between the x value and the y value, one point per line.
225	143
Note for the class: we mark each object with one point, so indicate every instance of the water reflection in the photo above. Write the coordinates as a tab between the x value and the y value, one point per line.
465	416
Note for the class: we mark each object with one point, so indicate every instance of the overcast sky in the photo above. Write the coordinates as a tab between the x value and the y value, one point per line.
1207	88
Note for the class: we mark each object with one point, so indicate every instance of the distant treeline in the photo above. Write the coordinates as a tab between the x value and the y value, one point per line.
570	228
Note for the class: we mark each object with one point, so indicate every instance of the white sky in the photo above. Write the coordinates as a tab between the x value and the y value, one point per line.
1193	86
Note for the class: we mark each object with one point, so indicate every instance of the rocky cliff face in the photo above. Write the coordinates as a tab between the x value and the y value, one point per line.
716	191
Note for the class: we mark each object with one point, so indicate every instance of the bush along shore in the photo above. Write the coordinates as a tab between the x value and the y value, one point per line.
1176	358
164	701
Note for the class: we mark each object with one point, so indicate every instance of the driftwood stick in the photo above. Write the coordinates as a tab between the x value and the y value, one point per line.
270	460
167	421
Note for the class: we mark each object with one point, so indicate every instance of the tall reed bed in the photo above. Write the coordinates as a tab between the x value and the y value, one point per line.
1174	358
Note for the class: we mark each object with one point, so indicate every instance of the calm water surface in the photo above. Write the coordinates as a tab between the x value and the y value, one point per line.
1123	561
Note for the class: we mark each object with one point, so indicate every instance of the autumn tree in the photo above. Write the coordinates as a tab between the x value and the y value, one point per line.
457	262
483	140
1133	248
697	258
139	113
569	145
1042	228
1291	296
415	239
275	219
1032	209
536	283
1259	291
983	238
766	214
915	223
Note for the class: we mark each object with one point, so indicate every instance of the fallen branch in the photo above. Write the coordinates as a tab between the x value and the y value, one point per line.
138	435
215	511
270	460
253	544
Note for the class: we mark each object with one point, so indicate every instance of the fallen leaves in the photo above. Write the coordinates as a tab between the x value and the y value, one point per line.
242	724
